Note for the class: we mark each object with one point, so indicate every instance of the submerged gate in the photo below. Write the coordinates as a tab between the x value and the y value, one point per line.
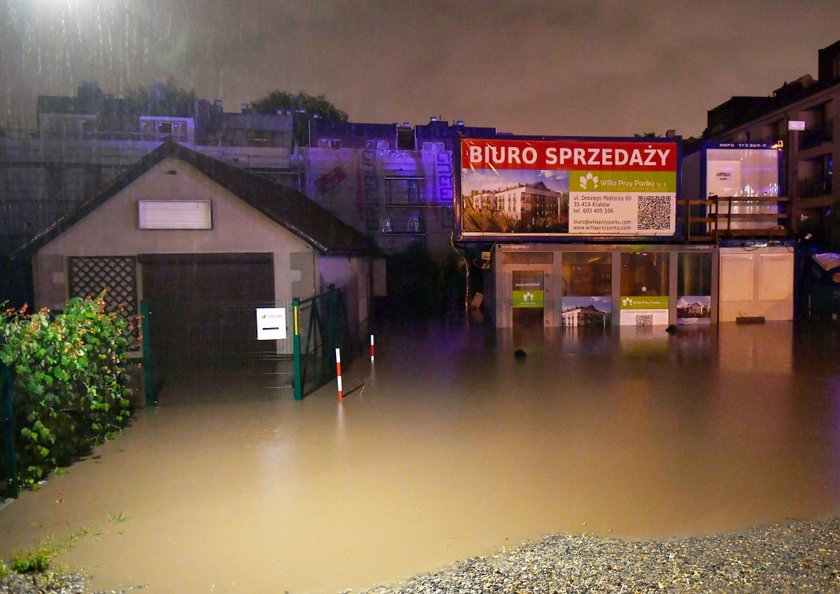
190	347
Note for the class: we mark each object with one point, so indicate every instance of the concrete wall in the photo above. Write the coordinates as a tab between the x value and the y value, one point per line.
112	230
352	275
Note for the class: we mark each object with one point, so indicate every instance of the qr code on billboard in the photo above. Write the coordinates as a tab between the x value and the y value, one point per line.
654	213
644	320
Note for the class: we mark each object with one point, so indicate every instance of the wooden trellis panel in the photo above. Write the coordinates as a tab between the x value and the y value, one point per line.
116	275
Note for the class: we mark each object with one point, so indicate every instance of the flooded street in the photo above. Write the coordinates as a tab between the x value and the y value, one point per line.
452	448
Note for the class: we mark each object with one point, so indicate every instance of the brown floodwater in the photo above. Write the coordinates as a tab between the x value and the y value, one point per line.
451	448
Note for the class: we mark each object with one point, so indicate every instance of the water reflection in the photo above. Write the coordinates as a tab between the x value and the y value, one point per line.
453	448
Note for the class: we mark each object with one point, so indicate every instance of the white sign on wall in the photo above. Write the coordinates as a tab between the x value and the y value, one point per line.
175	214
271	323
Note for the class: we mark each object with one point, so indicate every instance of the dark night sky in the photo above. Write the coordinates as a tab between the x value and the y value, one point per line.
528	67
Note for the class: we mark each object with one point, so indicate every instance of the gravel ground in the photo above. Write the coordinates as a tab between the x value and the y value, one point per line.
47	583
791	557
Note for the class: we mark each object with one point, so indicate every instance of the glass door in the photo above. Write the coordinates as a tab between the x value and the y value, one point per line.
694	288
587	289
644	289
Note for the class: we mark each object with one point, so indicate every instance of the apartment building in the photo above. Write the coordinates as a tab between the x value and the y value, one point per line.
801	117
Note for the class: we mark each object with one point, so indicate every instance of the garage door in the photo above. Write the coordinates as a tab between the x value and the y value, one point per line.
202	306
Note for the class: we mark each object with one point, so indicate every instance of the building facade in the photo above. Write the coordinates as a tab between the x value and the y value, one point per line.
190	233
803	117
391	182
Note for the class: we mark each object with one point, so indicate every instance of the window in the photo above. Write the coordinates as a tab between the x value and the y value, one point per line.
433	146
644	274
404	190
587	273
413	225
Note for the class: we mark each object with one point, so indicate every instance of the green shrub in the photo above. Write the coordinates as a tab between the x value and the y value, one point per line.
70	387
37	561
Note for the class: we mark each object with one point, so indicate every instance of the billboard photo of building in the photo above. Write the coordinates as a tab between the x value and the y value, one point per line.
694	309
517	201
587	311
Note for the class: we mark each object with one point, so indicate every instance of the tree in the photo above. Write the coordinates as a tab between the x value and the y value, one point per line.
310	105
305	107
162	99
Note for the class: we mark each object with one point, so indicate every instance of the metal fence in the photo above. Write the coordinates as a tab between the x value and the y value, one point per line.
214	345
211	346
8	458
319	326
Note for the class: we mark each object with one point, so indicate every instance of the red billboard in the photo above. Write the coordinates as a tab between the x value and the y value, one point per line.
567	187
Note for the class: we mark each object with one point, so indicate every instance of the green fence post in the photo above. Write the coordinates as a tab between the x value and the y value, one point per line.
297	380
8	428
147	353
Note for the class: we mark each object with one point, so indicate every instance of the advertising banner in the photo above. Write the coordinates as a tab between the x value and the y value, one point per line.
694	309
565	187
644	310
528	289
587	311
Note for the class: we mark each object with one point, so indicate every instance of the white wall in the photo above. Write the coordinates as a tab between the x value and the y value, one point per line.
756	282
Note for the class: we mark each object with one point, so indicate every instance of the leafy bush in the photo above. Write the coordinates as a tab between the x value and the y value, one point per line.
70	387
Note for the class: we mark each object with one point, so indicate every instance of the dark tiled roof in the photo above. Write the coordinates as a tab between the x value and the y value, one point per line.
287	207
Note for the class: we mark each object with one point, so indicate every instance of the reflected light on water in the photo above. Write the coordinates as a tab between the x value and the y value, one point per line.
453	448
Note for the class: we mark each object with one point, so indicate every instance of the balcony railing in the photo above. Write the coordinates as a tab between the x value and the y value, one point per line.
731	217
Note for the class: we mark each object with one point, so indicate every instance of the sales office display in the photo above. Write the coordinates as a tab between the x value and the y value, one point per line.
568	187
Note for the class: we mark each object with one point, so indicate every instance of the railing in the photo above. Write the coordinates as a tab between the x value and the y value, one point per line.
721	217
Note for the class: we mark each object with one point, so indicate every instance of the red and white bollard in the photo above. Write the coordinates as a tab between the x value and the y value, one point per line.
372	349
338	374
